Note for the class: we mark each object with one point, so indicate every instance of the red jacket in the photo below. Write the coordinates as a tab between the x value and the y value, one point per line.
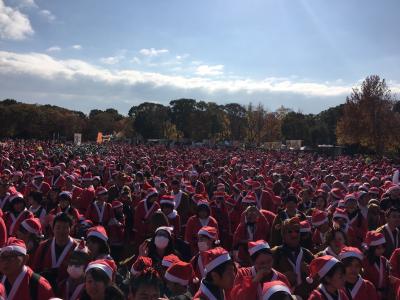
99	214
3	230
378	276
363	289
21	290
142	219
82	203
317	294
12	221
395	263
58	182
44	188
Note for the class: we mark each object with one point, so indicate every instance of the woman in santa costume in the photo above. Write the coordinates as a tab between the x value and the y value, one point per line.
276	290
17	277
17	214
72	287
201	219
356	287
51	258
100	212
30	231
219	275
35	200
97	243
179	278
167	203
330	273
335	241
249	280
376	266
207	239
38	184
143	213
64	205
357	222
320	222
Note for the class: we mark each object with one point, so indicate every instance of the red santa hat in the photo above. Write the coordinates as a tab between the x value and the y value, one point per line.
213	258
319	217
116	204
221	187
168	229
169	260
15	196
272	287
99	232
141	263
337	193
181	273
203	202
250	198
350	197
38	175
256	185
305	226
151	192
106	265
168	199
101	190
66	194
393	189
219	194
340	213
209	231
15	245
320	266
248	182
87	176
81	247
238	186
374	238
230	201
257	246
350	252
32	225
189	189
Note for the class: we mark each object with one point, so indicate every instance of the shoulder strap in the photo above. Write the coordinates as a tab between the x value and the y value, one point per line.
33	286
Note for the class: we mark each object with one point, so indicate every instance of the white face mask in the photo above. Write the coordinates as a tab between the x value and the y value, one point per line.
203	246
161	242
75	272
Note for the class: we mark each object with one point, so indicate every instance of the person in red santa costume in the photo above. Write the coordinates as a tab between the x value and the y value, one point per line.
249	280
219	278
179	278
51	258
207	239
100	212
276	290
18	279
87	195
56	179
330	273
320	222
167	203
30	231
143	213
356	287
71	187
17	214
37	184
376	266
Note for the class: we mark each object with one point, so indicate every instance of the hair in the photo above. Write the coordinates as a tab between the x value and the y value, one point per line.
392	209
370	254
175	182
36	196
33	237
280	295
148	277
80	257
169	250
337	267
111	292
63	217
158	219
260	252
290	198
219	270
104	248
348	260
331	234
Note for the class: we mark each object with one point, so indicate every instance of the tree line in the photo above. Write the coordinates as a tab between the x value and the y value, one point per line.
370	118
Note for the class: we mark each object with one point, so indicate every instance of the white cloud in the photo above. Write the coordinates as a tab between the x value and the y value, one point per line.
206	70
14	25
153	52
25	3
53	49
46	14
77	47
111	60
136	60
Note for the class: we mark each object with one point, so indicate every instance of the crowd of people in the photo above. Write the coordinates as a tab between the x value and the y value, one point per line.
117	221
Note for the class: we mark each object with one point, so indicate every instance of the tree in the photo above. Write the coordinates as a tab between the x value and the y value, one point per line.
236	115
369	118
181	113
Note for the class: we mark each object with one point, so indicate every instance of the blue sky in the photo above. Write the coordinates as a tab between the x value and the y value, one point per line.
303	54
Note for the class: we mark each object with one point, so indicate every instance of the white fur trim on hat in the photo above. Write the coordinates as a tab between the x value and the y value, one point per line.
276	288
258	248
103	267
18	249
325	220
216	262
175	279
98	234
381	241
206	233
351	254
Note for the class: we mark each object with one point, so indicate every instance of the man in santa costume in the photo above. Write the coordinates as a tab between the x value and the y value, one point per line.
38	184
19	280
219	278
143	213
17	214
100	212
249	280
51	258
56	179
87	195
167	204
356	287
391	231
183	205
320	222
72	188
293	260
